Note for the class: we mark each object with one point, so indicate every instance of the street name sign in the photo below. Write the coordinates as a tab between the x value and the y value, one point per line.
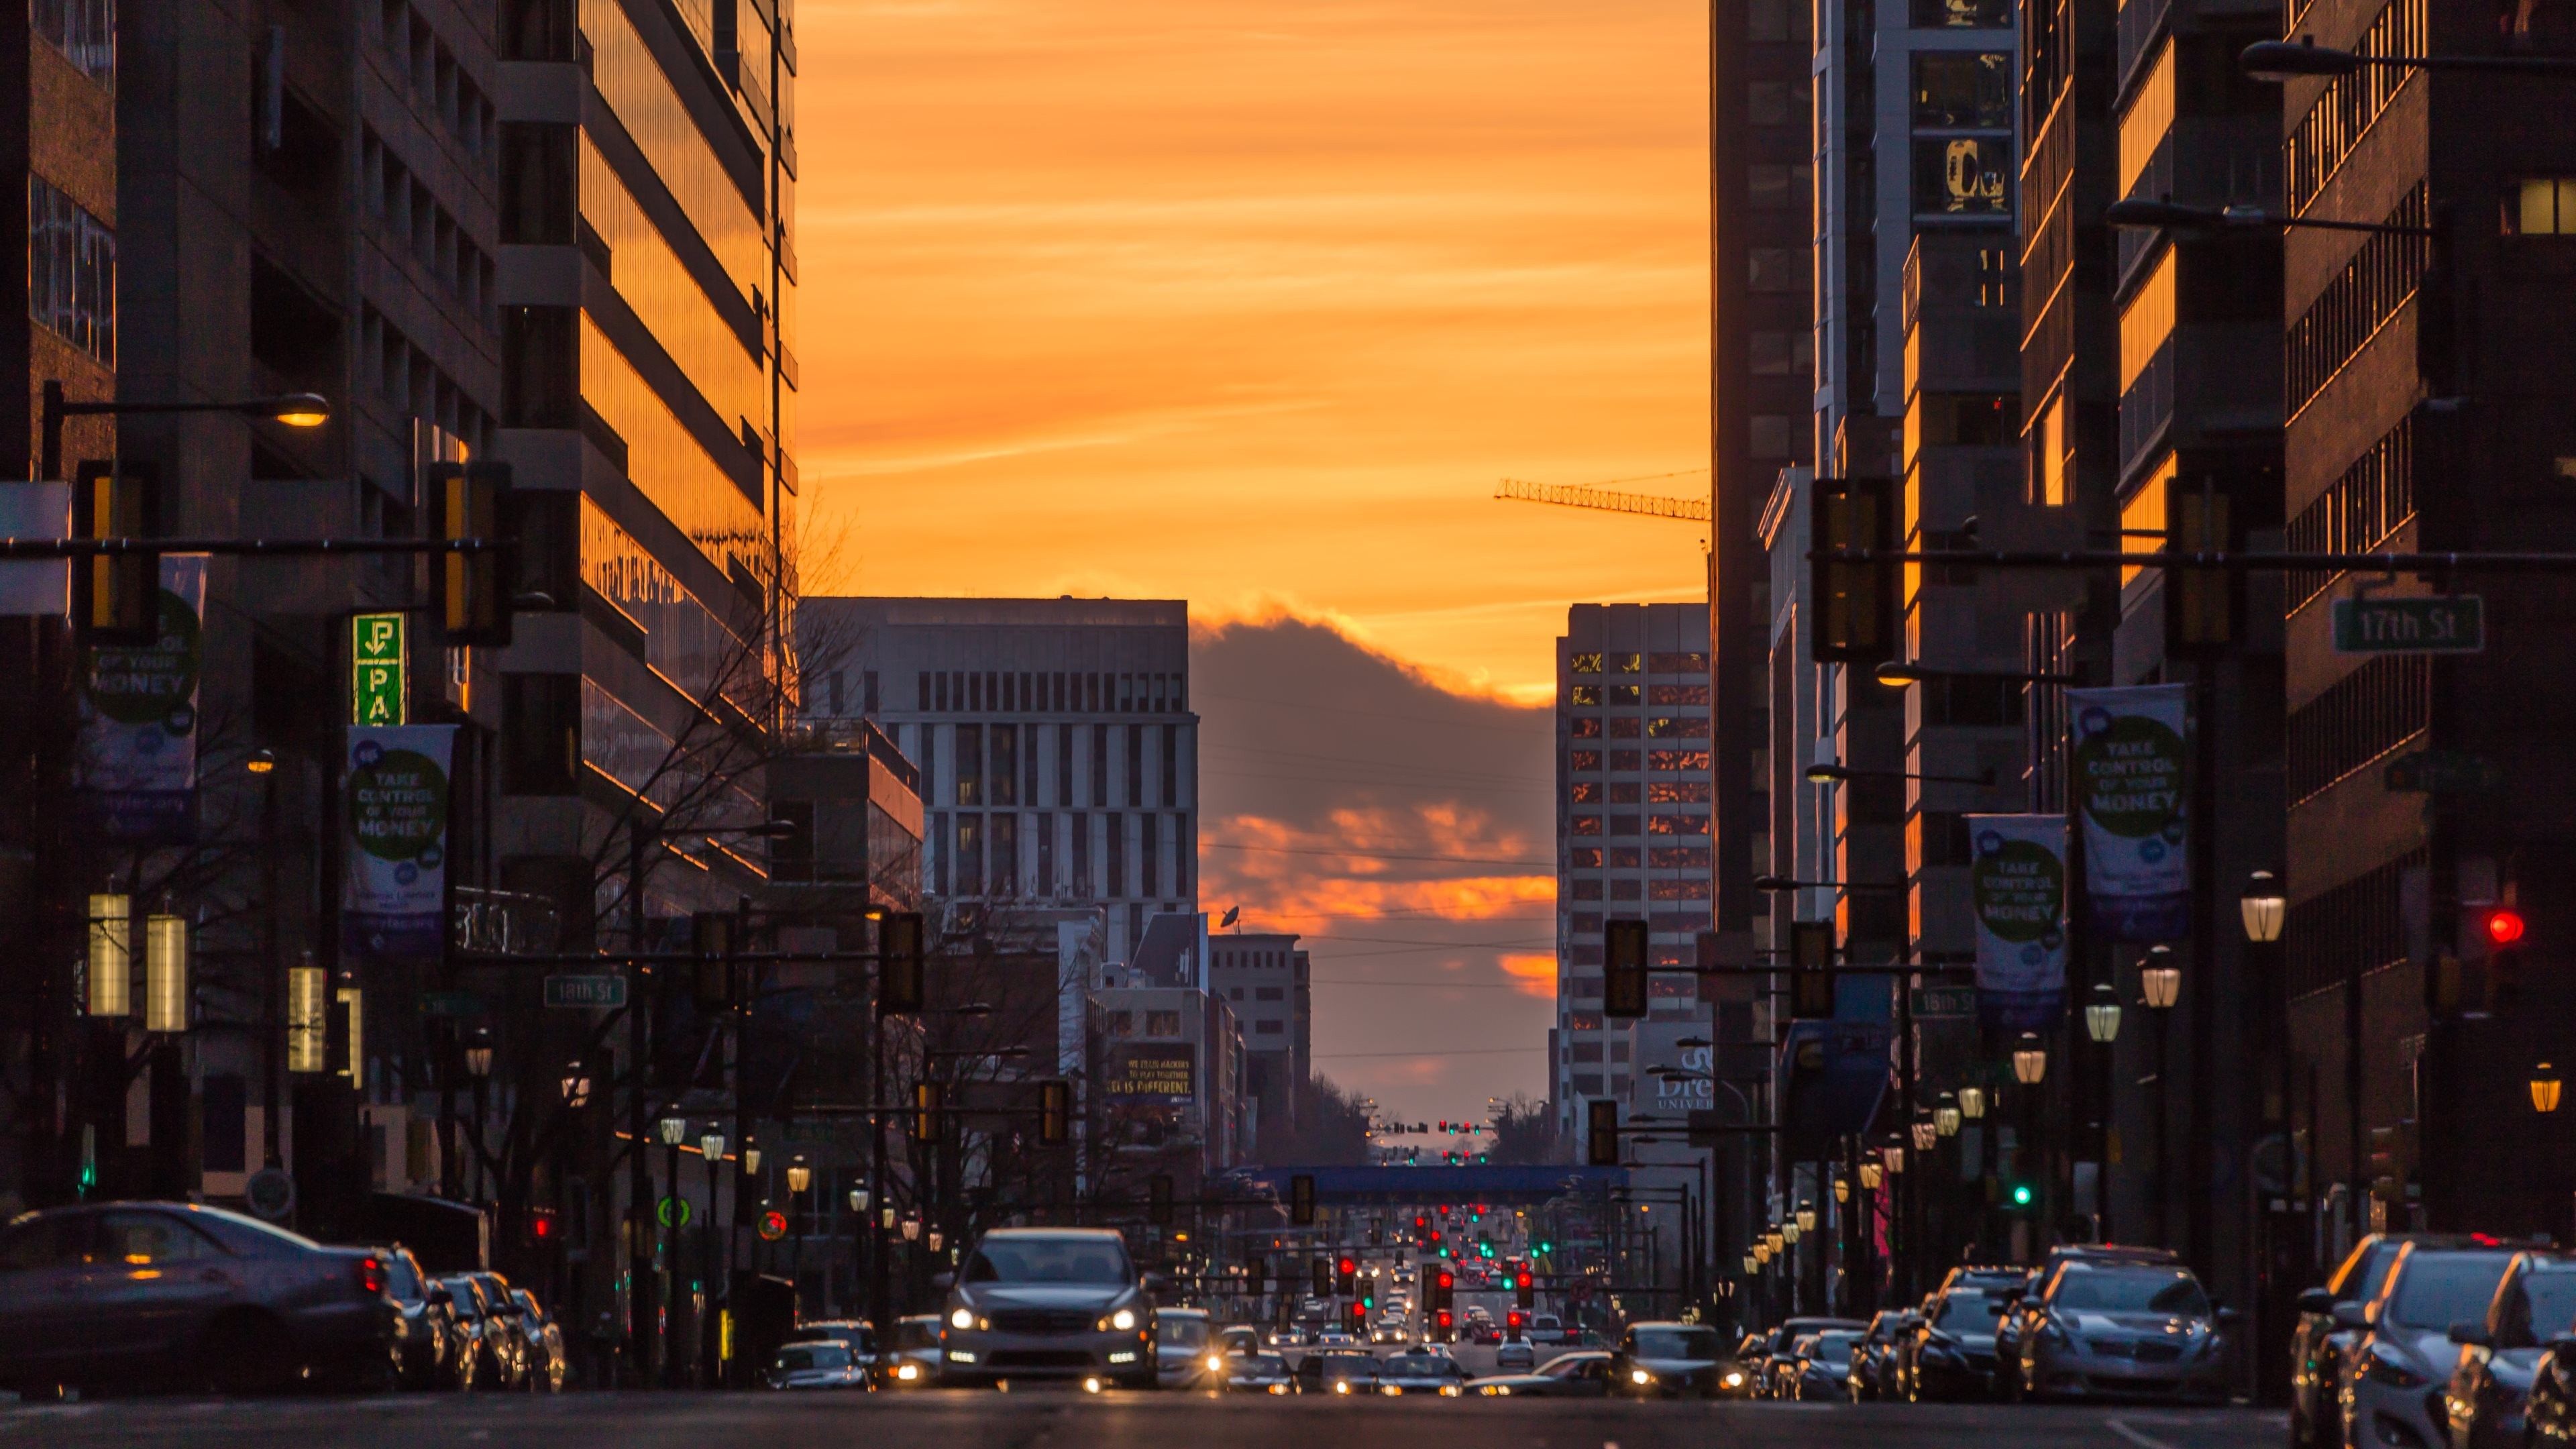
2448	624
575	992
2443	772
1945	1001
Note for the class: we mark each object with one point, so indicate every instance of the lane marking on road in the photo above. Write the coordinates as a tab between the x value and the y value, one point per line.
2143	1441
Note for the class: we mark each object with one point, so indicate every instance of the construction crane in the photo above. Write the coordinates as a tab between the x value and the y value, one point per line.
1577	495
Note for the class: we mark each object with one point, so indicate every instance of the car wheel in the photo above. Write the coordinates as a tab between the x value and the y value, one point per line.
246	1353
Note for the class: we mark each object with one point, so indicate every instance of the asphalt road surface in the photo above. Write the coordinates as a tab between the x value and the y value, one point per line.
1060	1419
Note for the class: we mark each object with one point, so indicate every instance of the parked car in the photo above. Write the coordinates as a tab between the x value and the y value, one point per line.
496	1357
1823	1365
2501	1351
1667	1360
1772	1377
850	1333
2122	1329
1256	1373
173	1293
2392	1372
543	1337
1421	1372
2320	1339
2021	1308
425	1332
1873	1360
1337	1371
2549	1415
1949	1352
912	1360
1291	1337
1583	1374
821	1363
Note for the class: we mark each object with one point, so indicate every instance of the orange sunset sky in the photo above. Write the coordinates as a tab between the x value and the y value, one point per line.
1250	302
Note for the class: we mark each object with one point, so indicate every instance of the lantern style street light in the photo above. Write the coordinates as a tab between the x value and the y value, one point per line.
1842	1188
2030	1060
2264	907
576	1086
675	1130
2102	1016
751	1158
2159	979
1806	1217
111	968
1945	1116
1926	1134
1789	1231
2545	1088
859	1200
799	1177
478	1056
1871	1174
912	1230
1972	1103
1752	1263
1894	1153
712	1148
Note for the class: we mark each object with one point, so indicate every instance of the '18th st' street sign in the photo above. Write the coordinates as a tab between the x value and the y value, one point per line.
580	991
2449	624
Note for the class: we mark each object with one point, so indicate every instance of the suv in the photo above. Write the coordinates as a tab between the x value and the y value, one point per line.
2020	1314
1948	1352
2393	1369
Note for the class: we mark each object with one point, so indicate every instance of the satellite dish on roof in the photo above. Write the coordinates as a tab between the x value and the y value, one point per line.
1232	915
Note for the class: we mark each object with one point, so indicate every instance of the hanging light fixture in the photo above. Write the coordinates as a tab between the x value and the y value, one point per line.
576	1086
111	961
1807	1216
2264	908
886	1217
751	1157
675	1130
1842	1188
912	1230
858	1200
1926	1134
1972	1102
1945	1117
308	1032
2030	1060
712	1147
2102	1016
1789	1232
1871	1174
165	972
935	1236
1761	1254
1778	1237
2159	979
801	1177
2545	1088
1752	1263
1894	1152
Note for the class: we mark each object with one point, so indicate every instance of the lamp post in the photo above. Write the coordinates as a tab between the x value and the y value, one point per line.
478	1065
858	1239
800	1176
2282	60
2159	987
2545	1088
296	410
712	1146
674	1130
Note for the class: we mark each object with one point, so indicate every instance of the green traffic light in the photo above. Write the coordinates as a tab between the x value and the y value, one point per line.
2021	1194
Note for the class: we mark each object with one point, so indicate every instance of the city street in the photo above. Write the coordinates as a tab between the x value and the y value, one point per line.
1062	1419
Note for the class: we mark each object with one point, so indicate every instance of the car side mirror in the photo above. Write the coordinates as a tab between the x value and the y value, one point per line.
2226	1315
2317	1300
943	1281
2471	1335
2351	1315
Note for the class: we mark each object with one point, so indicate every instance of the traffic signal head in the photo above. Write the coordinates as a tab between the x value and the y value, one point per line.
2503	926
116	598
2021	1194
1623	961
927	1098
1601	1140
2200	604
1512	1319
1158	1199
1301	1199
473	586
1811	959
900	974
1055	1112
1444	1320
1348	1267
1855	602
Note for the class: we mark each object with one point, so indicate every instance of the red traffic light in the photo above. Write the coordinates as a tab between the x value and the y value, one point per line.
1444	1318
1512	1319
1420	1222
541	1224
1446	1280
1349	1267
2504	926
1522	1281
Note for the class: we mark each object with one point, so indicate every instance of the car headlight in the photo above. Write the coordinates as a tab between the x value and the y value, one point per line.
1734	1380
1123	1319
1499	1391
1278	1388
1448	1391
908	1372
1640	1376
1215	1364
1341	1386
961	1318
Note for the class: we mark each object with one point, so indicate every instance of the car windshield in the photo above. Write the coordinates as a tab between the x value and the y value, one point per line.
400	1280
1833	1345
1422	1365
1969	1313
2436	1290
1563	1367
469	1299
1050	1260
813	1356
2132	1290
1183	1332
1676	1343
1265	1364
916	1333
2553	1301
1348	1365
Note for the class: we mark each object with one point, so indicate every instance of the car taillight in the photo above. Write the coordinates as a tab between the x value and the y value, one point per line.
371	1275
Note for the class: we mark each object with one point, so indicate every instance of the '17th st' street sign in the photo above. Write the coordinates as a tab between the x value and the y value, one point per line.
2449	624
581	991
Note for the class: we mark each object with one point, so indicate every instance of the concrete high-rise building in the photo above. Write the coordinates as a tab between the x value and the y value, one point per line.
1058	753
1634	773
1262	976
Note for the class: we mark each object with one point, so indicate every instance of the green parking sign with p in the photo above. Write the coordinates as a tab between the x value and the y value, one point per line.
379	656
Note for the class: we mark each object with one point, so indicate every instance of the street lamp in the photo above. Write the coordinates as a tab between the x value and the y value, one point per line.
1871	1174
2159	979
1894	1153
2545	1088
1927	1133
111	969
912	1230
2030	1060
1972	1103
478	1056
1945	1117
2264	907
1842	1188
1806	1217
2102	1016
1753	1262
859	1201
1830	774
1896	675
2282	60
2144	215
295	409
576	1086
799	1177
675	1130
1786	883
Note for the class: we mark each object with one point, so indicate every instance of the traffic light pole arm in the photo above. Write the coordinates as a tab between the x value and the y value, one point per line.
2239	561
46	548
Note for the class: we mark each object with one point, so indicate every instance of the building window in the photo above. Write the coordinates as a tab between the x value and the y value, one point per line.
1162	1023
1583	825
2373	499
1171	765
970	855
71	271
1135	764
1584	857
1270	1028
1063	758
1006	765
1099	764
1678	890
1623	890
1677	729
2148	320
1969	14
1270	993
1078	825
1958	90
1046	855
1683	694
1625	792
2149	117
1183	852
2541	206
2143	515
1584	792
2350	311
1623	694
1006	855
1588	889
1623	727
970	764
1584	759
1962	175
1678	760
1584	664
1116	828
83	30
1677	663
1587	696
1584	727
1678	857
1149	842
